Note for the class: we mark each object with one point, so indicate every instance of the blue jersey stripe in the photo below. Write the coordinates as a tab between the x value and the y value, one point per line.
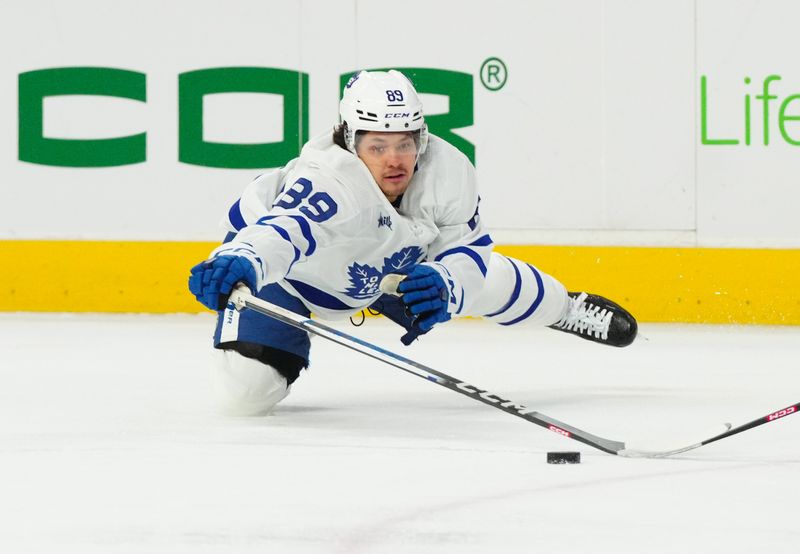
282	232
536	302
514	294
318	297
305	229
473	223
485	240
235	216
461	305
469	252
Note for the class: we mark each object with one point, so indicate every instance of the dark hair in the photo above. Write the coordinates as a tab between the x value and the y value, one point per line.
338	135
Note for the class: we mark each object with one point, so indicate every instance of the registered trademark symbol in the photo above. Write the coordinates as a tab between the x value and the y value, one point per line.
494	74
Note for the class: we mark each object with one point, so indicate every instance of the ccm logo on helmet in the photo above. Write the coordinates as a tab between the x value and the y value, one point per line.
396	115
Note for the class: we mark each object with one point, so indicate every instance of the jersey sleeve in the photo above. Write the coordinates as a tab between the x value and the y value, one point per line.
462	249
256	200
308	213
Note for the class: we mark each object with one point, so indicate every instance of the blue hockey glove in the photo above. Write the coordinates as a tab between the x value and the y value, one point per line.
425	296
391	306
212	281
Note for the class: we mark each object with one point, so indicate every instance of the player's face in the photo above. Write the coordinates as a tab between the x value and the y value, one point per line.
390	157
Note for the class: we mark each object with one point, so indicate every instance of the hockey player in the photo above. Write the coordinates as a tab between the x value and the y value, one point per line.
379	195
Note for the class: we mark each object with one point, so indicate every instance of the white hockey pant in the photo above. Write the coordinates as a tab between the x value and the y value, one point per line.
246	387
517	293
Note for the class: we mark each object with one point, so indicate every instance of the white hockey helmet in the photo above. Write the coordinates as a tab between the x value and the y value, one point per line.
381	101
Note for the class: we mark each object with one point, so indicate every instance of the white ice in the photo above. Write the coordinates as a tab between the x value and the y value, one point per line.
109	443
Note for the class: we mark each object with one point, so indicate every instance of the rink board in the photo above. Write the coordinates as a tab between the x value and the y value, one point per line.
701	285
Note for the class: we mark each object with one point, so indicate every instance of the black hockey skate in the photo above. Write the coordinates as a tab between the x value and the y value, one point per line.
598	319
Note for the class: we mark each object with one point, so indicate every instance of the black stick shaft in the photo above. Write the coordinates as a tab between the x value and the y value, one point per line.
789	410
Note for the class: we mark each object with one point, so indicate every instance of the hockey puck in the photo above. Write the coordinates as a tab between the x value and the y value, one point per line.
563	457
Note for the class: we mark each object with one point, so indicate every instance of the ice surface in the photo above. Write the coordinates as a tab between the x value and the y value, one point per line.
109	443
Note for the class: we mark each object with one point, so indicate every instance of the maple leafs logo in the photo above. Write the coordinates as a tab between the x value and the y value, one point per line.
400	260
365	279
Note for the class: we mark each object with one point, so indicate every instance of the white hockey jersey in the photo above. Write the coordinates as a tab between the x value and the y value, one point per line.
322	229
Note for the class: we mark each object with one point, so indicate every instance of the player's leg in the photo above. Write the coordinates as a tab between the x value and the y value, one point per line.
518	293
246	386
258	358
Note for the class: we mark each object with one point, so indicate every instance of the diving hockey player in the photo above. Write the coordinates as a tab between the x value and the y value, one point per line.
378	196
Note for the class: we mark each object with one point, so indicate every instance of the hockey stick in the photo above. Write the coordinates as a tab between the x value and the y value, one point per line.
736	430
242	298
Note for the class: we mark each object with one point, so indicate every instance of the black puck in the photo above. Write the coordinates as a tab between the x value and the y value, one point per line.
563	457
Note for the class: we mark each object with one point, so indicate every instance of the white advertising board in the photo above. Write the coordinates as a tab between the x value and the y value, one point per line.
584	117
